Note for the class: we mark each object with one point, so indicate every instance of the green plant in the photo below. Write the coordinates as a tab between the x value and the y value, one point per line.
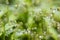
29	20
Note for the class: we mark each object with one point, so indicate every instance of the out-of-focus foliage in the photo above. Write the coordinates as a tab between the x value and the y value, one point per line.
29	20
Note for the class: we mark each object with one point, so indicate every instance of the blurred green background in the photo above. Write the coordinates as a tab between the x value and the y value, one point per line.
29	19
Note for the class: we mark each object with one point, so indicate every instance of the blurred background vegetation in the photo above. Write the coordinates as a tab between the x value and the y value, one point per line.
29	19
